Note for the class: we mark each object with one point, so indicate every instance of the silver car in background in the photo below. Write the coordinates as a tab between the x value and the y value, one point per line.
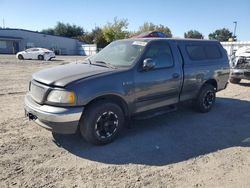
36	53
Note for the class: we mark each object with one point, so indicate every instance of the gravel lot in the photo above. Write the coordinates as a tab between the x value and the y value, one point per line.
179	149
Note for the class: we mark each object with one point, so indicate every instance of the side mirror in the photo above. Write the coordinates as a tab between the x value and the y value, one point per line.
148	64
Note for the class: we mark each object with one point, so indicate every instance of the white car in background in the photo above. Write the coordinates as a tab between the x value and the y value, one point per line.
36	53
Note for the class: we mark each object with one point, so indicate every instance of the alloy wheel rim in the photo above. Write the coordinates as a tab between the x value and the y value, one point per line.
208	99
106	125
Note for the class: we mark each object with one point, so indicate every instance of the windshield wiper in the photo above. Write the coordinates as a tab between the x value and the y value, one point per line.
85	62
105	64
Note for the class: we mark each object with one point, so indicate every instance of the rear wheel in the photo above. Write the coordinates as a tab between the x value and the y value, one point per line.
40	57
102	122
20	57
205	99
235	80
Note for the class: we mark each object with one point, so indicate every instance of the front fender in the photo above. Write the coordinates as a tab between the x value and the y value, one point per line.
119	84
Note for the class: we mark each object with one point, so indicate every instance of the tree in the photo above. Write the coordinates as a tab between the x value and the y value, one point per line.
99	38
49	31
87	37
221	35
116	30
148	26
95	36
65	30
193	34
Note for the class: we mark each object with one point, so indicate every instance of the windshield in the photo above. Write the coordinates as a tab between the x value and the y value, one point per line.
120	53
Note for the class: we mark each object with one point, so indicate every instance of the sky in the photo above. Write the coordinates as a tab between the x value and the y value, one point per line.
179	15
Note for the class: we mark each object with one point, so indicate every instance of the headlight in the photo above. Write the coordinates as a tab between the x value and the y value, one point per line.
61	96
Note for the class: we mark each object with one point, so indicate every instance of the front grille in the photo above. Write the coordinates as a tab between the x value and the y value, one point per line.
243	66
243	63
37	92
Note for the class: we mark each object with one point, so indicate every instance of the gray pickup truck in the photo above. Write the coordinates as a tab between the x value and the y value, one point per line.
125	79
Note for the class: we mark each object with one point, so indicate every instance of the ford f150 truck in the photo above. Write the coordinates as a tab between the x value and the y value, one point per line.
127	78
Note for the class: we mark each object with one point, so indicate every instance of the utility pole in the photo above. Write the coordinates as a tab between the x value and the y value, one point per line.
232	46
235	26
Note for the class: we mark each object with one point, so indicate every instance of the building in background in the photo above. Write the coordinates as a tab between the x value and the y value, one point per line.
15	40
88	49
232	47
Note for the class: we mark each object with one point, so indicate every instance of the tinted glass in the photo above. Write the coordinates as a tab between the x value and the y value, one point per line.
203	52
161	54
196	52
212	52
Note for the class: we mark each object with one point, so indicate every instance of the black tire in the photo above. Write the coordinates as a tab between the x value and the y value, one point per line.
20	57
205	99
40	57
102	122
235	80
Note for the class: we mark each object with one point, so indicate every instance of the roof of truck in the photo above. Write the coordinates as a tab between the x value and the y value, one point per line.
173	39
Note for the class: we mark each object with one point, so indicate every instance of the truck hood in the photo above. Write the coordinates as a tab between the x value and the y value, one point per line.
64	74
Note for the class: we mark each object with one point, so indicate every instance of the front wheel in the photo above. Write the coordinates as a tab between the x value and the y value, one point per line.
102	122
20	57
205	99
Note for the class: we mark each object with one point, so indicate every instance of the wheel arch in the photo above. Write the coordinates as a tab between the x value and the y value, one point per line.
212	82
40	54
112	98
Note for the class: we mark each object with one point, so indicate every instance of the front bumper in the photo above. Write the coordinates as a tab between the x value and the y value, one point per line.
62	120
240	73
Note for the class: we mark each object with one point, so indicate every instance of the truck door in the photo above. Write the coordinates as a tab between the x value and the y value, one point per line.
160	85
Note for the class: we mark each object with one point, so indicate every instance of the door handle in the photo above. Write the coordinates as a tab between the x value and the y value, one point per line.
176	75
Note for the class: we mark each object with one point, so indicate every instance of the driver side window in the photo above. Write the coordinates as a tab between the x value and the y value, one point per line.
161	54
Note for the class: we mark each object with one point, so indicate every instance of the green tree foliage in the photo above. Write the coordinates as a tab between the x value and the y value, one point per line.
99	38
87	37
103	36
116	30
221	35
65	30
193	34
49	31
148	26
95	36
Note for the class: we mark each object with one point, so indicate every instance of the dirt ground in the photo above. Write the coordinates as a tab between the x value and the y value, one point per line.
180	149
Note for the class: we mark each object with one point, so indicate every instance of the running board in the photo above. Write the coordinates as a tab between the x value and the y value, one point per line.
153	113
